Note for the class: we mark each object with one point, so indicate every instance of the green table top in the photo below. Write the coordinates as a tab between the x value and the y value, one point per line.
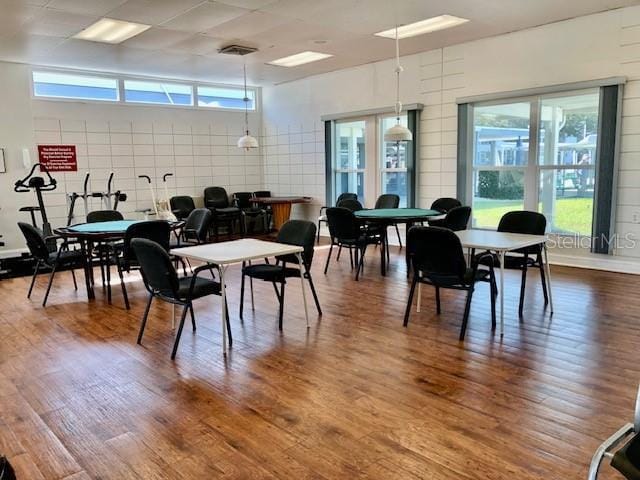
116	226
396	213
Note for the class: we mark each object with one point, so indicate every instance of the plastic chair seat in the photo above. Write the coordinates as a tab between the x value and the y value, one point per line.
67	258
515	262
202	288
269	272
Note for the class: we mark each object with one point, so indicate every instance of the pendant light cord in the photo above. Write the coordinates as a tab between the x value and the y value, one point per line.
246	101
398	107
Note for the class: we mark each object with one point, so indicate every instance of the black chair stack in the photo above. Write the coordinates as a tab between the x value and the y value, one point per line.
294	232
182	206
196	228
438	260
249	209
267	208
60	260
322	217
527	222
104	250
347	231
456	219
162	282
217	200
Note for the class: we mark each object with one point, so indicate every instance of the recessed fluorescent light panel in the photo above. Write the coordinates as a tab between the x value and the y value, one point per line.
300	59
108	30
424	26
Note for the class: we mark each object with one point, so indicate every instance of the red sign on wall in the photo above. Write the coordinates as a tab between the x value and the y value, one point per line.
58	158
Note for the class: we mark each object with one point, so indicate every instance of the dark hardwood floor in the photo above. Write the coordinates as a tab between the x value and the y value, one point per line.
355	396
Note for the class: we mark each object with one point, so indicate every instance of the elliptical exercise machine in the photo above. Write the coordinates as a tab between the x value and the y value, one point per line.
109	198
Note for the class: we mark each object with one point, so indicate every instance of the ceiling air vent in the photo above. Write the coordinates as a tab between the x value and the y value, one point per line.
237	50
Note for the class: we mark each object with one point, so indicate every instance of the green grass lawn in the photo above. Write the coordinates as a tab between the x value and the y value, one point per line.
573	215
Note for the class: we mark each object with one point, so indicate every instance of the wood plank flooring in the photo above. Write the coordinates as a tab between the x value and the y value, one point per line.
356	396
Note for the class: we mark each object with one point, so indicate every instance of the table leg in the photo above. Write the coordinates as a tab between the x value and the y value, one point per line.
87	271
221	270
385	247
501	257
281	213
548	274
304	294
418	303
173	316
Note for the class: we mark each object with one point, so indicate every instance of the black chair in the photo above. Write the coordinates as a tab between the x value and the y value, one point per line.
267	208
293	232
443	205
196	228
182	206
157	231
390	200
322	217
217	200
351	204
6	470
533	223
103	250
161	281
249	209
60	260
626	459
438	260
456	219
347	231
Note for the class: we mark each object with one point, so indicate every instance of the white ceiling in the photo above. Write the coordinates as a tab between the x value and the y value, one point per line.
186	34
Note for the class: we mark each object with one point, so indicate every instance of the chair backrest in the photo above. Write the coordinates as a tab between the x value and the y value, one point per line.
158	272
343	224
216	197
457	218
388	200
445	204
346	196
301	233
197	224
262	193
104	216
523	221
35	241
437	253
243	199
182	206
157	231
351	204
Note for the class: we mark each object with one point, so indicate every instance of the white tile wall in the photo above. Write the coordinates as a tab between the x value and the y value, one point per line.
198	155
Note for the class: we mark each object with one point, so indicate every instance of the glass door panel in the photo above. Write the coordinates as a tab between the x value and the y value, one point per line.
350	158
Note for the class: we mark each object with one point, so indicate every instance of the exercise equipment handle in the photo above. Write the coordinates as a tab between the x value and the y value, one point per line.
164	177
22	185
146	177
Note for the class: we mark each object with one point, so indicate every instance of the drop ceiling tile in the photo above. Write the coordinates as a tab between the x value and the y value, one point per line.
298	36
204	17
157	38
86	7
14	14
197	45
26	48
247	25
152	12
248	4
56	23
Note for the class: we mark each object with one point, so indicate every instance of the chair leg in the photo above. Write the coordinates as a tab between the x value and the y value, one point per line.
313	291
339	252
33	279
193	317
144	319
326	265
360	264
543	279
318	235
75	282
242	290
46	295
465	317
407	311
398	233
123	287
351	257
229	335
438	310
281	313
522	285
108	271
180	327
494	295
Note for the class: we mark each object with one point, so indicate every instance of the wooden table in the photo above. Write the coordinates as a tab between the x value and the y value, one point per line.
224	254
280	207
501	243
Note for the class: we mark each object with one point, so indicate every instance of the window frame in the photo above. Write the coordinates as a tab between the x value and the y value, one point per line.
532	169
120	79
159	82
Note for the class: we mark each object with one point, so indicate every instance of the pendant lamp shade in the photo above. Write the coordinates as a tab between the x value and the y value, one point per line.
398	133
246	142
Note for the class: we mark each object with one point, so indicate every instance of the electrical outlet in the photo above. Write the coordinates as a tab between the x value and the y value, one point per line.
635	217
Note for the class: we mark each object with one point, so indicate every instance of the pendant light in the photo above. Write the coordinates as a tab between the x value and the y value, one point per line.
398	133
247	142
